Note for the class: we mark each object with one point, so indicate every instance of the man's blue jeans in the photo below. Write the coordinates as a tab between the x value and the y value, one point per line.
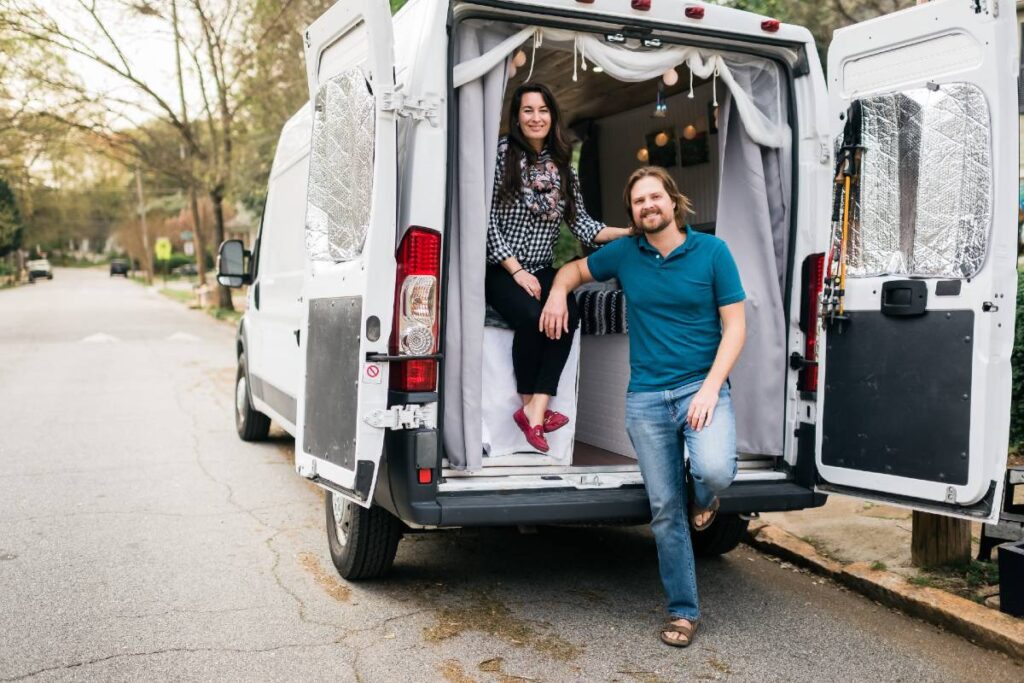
656	422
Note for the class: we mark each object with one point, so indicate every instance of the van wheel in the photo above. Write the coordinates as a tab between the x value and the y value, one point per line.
724	534
363	542
251	424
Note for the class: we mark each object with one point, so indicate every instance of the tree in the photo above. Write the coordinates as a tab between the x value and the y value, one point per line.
10	220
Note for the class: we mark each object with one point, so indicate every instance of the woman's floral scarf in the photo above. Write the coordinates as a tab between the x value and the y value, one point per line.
542	187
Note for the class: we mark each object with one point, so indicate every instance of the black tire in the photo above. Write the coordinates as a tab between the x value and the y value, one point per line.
251	424
366	549
50	276
724	534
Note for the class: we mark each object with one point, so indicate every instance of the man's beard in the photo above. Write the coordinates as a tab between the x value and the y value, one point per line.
658	227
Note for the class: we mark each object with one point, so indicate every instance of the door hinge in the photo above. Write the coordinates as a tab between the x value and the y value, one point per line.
419	108
405	417
825	152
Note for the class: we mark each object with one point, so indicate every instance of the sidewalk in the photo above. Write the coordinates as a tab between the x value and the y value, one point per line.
866	546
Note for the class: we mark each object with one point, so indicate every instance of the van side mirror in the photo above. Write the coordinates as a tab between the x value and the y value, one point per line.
231	264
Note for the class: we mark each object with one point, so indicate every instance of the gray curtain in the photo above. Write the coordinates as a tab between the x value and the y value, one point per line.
753	219
479	121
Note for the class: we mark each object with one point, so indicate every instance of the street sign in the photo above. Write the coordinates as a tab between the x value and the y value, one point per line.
162	249
186	235
190	248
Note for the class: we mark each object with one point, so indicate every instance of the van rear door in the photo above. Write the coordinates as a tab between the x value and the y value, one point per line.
914	387
349	281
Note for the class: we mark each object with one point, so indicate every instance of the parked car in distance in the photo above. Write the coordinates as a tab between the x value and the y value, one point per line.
185	269
120	266
38	268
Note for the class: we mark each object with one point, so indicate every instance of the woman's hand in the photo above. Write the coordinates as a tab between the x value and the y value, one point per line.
554	319
702	406
529	282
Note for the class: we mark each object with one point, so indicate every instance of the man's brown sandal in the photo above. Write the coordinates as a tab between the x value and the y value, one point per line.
684	630
697	512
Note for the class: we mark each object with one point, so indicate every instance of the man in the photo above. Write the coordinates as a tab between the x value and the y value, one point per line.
686	329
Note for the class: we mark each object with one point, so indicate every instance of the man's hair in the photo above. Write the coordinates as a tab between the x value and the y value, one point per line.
682	202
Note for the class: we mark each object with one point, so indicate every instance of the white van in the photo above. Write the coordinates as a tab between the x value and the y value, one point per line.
872	218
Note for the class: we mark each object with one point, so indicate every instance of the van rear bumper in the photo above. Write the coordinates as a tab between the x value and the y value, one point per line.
625	505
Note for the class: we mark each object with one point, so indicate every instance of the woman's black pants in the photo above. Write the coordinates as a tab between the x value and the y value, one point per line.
537	360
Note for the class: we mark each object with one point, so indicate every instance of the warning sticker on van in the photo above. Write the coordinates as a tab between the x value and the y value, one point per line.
371	373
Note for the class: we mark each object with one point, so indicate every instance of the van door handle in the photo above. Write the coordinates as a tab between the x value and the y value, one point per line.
903	298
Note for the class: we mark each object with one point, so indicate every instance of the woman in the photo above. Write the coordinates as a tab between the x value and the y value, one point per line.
535	189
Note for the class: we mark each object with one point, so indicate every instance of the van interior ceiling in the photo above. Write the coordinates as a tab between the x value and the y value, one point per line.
740	190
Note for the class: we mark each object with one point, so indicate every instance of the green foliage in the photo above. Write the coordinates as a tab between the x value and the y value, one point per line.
1017	362
10	220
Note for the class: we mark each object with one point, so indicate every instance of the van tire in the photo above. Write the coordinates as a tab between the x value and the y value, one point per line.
724	534
251	424
371	541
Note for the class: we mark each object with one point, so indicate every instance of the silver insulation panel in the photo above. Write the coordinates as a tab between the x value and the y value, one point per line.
925	201
341	169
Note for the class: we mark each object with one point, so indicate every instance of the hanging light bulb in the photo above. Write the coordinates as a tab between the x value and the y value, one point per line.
661	139
690	132
670	77
512	70
642	155
520	59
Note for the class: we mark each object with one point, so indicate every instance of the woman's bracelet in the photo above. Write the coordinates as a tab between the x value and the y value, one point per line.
518	271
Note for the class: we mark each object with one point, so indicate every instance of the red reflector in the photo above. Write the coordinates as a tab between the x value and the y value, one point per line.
642	5
419	253
414	375
586	2
694	12
809	375
770	25
425	476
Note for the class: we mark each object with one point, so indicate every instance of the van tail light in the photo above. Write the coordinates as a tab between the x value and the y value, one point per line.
770	25
813	278
694	12
416	314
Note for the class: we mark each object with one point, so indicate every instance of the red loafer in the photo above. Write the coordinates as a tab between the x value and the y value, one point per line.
534	435
554	420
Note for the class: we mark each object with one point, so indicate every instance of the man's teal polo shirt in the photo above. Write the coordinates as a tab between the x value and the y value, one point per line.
671	305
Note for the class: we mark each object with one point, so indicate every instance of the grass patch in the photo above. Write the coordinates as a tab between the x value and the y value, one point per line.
967	580
230	315
879	566
182	295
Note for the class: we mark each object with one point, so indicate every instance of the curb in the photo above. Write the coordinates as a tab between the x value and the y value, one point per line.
983	626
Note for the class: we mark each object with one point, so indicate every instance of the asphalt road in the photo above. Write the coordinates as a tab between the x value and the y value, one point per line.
141	540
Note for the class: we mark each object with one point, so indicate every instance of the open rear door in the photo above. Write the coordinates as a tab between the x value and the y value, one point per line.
919	300
348	289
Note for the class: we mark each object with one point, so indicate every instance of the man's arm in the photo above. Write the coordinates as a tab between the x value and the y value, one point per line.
734	333
554	319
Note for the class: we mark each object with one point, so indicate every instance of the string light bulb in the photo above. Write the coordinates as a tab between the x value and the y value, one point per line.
689	132
661	139
670	77
520	59
642	155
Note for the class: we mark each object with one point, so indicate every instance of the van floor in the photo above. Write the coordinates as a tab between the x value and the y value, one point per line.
585	455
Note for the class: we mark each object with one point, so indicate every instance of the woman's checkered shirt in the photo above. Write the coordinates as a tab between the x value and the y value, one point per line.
527	227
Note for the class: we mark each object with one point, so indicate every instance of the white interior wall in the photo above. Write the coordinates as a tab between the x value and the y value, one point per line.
623	134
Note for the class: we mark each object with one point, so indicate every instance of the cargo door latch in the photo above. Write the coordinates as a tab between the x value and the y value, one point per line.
427	107
405	417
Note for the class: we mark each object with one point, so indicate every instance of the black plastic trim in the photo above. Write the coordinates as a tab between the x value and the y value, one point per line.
623	505
982	509
401	398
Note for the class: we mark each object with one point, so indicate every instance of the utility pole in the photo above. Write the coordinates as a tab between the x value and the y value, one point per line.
145	230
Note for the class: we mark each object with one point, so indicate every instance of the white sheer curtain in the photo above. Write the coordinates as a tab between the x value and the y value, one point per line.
758	103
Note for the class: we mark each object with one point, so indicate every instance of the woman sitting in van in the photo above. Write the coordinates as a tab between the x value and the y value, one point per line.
535	189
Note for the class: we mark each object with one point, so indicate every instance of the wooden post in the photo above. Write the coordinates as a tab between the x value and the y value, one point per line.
937	540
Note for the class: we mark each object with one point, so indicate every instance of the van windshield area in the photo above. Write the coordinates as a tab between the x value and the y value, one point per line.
718	122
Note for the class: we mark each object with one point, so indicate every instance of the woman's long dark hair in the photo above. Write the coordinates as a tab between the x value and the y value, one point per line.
556	142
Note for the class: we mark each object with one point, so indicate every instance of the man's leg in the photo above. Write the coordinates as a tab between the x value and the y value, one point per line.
654	433
712	450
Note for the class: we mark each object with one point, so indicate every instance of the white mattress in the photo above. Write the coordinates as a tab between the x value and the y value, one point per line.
601	418
504	443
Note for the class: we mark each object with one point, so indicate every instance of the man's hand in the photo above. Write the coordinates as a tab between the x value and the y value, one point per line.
554	319
702	406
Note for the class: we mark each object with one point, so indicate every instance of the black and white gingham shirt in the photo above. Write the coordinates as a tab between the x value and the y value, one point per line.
514	229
